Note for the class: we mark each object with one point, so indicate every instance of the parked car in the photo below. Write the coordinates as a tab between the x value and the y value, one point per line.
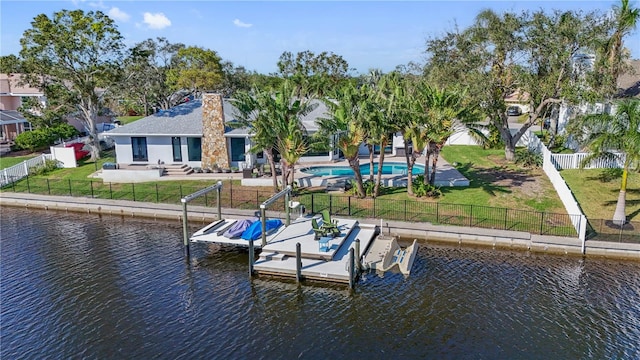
514	111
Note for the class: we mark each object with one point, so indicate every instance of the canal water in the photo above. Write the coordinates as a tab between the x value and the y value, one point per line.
77	286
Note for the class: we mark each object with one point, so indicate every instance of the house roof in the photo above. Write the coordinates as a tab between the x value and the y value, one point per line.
12	85
629	81
11	117
186	120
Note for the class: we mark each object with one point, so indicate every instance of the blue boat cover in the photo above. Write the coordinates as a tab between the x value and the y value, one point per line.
254	231
239	227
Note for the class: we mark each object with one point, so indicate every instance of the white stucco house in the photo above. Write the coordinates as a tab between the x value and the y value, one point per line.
175	136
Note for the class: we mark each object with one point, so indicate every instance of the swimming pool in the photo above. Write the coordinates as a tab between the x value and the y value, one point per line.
393	168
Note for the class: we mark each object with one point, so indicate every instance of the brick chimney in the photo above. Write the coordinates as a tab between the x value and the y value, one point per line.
214	144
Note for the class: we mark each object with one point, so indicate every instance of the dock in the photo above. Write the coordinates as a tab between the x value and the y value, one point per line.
212	234
278	257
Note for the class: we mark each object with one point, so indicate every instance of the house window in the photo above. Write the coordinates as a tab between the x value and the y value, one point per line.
177	151
237	149
139	149
194	148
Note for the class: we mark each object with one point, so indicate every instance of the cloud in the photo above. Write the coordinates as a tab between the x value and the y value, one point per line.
99	4
239	23
156	21
118	14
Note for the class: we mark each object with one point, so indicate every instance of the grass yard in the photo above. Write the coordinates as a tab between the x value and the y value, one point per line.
128	119
498	183
9	161
596	190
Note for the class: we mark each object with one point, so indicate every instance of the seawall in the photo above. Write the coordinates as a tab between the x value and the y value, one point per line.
462	236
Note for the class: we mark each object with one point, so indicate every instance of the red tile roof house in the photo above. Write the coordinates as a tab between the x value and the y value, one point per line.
12	91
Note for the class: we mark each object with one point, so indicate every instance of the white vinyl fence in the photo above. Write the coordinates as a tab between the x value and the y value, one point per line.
565	194
572	161
19	171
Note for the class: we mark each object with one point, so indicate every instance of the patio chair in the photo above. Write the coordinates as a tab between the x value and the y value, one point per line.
330	226
317	230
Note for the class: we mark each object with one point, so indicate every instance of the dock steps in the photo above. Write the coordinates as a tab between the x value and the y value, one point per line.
272	256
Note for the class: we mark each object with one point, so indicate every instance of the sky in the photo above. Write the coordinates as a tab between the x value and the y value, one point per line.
367	34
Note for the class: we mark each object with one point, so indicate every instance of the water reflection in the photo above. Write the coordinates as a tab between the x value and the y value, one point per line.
109	287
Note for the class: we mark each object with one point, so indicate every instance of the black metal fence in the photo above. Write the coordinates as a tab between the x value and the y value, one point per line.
341	205
608	230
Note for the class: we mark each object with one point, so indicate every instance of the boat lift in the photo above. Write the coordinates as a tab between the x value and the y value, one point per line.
190	197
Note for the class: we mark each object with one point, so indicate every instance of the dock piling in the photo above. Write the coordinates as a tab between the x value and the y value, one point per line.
298	262
352	278
251	255
358	254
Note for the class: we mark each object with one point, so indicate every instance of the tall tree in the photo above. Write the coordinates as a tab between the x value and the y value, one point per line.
314	74
10	64
606	136
252	114
612	57
146	70
345	120
81	54
501	54
196	70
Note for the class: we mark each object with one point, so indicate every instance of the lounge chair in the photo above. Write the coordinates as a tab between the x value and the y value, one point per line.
317	230
330	226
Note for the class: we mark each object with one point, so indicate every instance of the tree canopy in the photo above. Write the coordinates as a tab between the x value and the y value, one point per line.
80	55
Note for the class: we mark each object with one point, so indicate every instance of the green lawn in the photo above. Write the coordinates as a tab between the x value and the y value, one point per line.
597	190
9	161
128	119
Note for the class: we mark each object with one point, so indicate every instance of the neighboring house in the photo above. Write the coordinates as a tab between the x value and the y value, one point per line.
12	92
519	99
628	86
197	133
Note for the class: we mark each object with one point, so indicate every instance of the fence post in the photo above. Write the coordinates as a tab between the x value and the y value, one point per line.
157	195
471	215
48	187
231	193
541	222
437	213
181	196
330	204
506	212
133	191
70	189
110	192
374	208
349	211
91	184
312	202
405	209
28	185
26	168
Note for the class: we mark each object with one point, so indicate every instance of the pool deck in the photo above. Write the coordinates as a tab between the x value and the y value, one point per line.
446	174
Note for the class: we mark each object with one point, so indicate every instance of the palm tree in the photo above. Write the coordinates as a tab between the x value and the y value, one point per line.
625	20
285	110
446	114
251	113
605	135
345	119
392	99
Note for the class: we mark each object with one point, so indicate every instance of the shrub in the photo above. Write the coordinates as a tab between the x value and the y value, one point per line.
33	140
528	158
43	169
421	189
64	131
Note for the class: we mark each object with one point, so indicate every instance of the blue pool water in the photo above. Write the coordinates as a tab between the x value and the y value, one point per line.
387	169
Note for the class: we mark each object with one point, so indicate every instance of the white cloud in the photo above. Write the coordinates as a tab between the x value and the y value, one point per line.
239	23
118	14
156	21
98	5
